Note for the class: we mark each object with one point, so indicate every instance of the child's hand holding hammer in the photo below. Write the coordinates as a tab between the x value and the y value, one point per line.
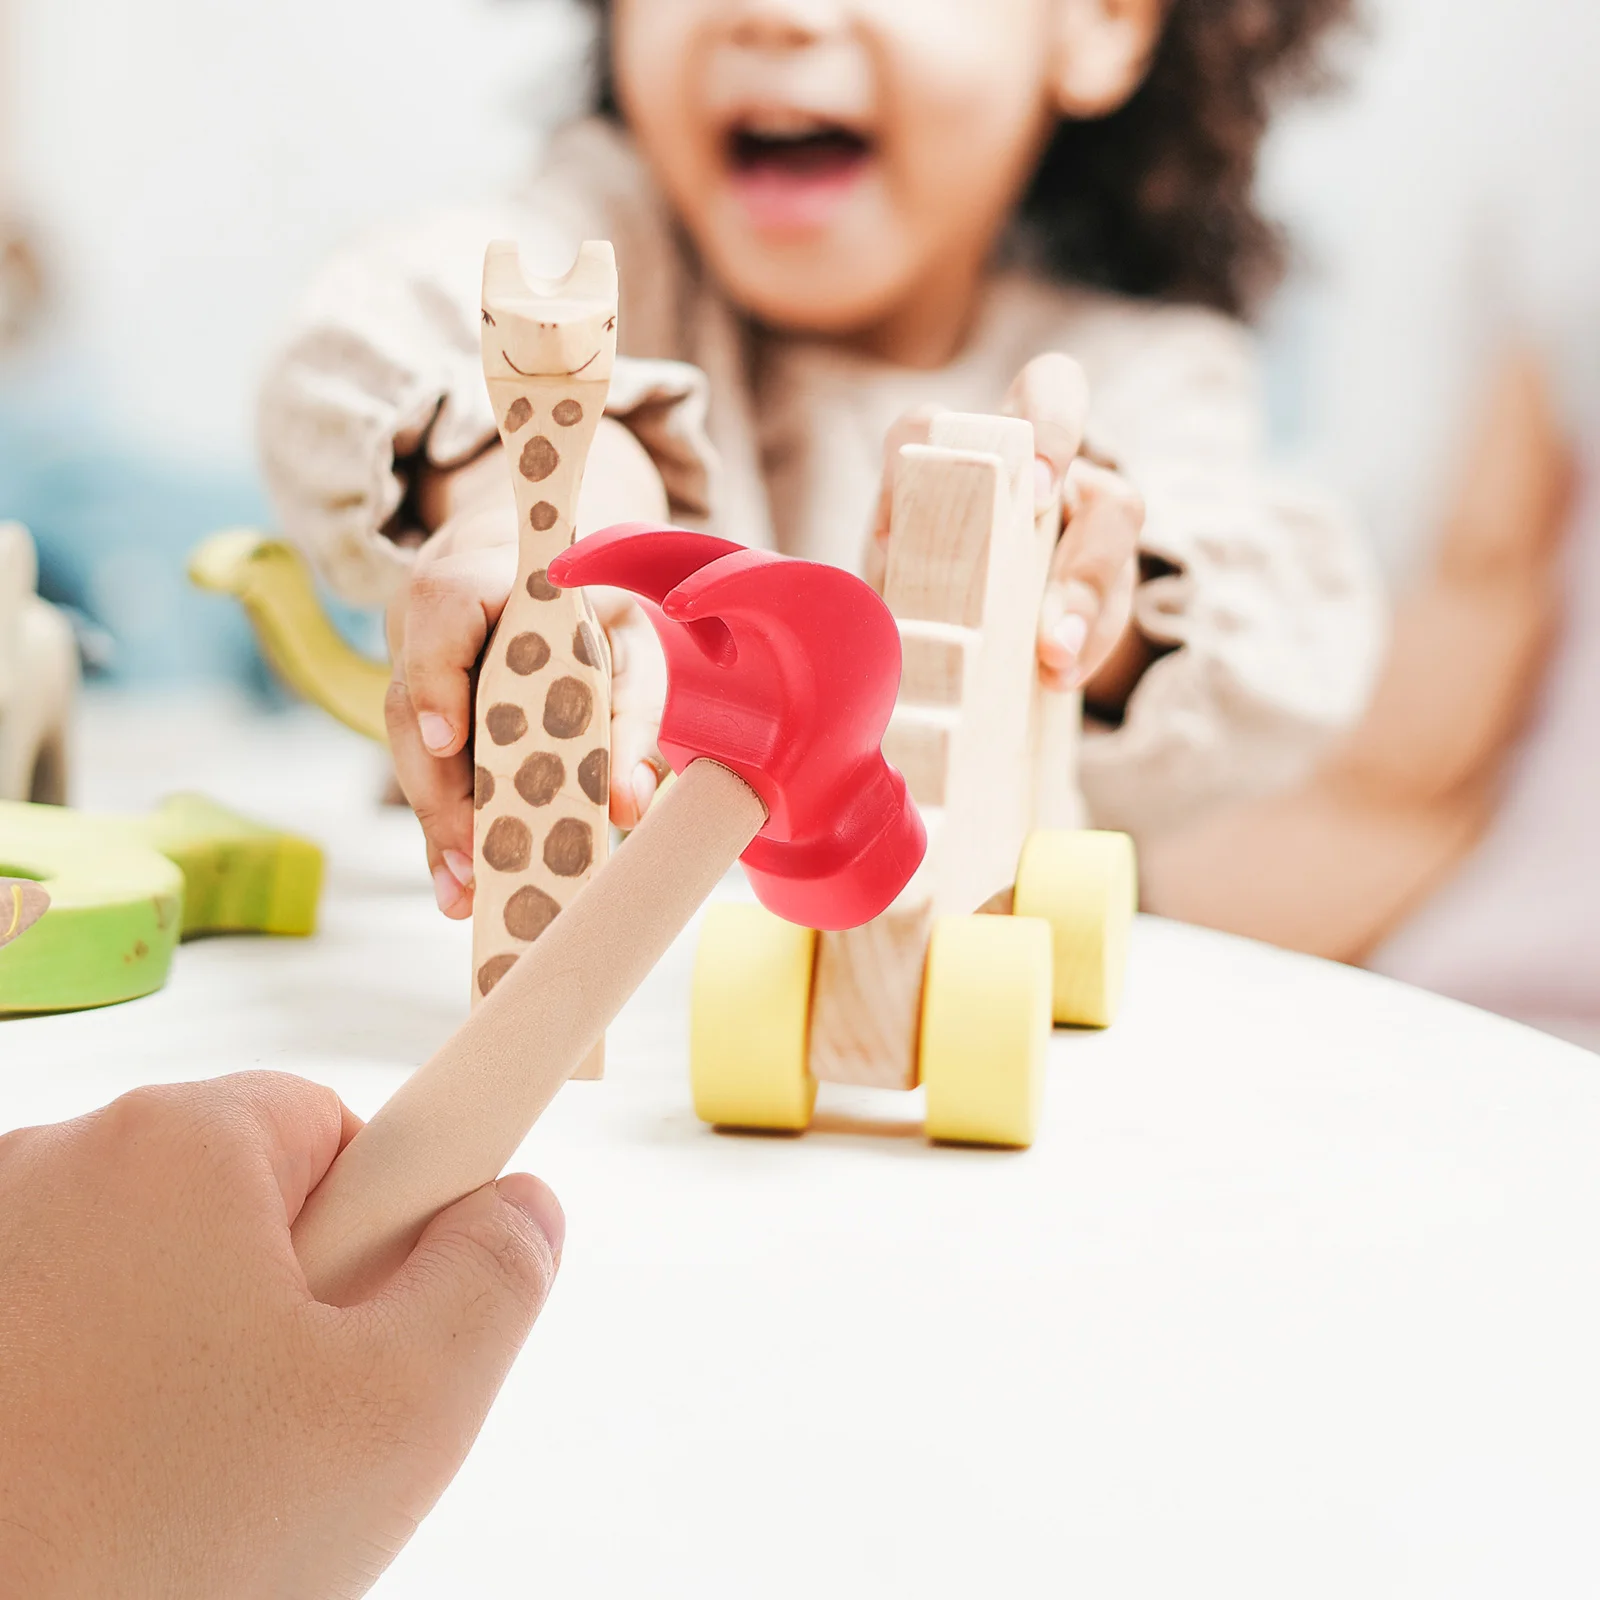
178	1416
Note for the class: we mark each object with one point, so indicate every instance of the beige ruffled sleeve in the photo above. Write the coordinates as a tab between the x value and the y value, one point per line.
1269	602
381	374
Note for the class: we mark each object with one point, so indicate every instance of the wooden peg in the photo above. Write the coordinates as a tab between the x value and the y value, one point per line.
456	1122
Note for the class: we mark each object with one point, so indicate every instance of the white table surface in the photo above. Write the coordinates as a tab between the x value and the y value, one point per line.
1294	1297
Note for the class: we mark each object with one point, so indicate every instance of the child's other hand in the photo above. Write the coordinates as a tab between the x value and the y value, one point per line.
1088	602
440	622
178	1417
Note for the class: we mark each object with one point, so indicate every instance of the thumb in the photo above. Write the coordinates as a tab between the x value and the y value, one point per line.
1052	393
468	1295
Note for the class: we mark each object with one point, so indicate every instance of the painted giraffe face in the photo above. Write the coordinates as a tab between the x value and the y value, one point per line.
538	329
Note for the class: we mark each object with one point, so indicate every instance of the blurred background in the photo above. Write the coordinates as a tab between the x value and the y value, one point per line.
177	170
182	168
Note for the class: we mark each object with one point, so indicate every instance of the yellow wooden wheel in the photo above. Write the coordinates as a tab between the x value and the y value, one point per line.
1086	886
986	1029
749	1021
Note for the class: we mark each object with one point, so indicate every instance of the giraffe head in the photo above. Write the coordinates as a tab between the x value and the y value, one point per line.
538	328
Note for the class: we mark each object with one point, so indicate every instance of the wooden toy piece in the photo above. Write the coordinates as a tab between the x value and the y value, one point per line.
238	876
1086	886
968	561
122	892
115	917
772	728
271	581
749	1008
543	715
22	903
930	992
38	679
985	1029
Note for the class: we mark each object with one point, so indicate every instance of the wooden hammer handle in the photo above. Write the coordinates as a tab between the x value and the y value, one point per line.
456	1122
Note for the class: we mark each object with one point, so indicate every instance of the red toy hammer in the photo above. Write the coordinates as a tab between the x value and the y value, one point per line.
782	676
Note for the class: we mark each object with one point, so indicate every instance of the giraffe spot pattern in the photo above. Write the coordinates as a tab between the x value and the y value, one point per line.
529	912
541	588
506	723
492	971
569	848
540	777
594	775
539	459
584	647
568	413
544	517
519	416
509	845
482	788
526	654
568	707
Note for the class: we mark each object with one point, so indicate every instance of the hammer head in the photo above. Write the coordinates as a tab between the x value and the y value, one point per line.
786	673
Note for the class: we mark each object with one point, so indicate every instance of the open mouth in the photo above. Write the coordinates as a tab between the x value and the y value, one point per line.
801	152
793	173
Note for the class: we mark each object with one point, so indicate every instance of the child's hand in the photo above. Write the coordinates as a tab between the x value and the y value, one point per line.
178	1417
1088	603
439	624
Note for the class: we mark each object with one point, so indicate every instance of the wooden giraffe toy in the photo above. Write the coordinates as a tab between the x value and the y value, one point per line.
543	717
932	992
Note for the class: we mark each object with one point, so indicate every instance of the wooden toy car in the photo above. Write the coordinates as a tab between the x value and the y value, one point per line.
945	989
38	679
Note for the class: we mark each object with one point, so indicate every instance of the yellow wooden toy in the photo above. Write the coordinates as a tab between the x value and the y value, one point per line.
944	989
271	580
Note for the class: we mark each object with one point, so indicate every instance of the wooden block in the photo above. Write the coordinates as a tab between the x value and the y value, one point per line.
917	744
543	718
936	663
867	998
941	572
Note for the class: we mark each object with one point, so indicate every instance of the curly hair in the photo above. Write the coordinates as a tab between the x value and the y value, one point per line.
1158	199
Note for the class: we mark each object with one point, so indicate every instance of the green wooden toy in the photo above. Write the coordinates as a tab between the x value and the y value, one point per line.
122	891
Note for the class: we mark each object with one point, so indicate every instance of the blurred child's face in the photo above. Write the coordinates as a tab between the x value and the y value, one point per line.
839	162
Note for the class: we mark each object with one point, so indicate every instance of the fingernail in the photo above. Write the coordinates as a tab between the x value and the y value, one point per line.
1044	482
460	867
1071	633
436	732
645	784
446	889
537	1202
